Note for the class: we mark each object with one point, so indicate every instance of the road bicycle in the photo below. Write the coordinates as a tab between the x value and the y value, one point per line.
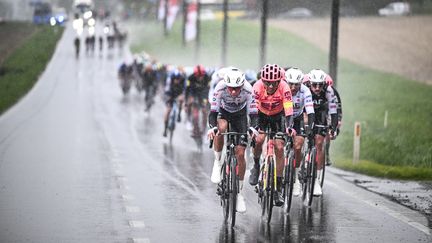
228	188
267	180
172	120
288	174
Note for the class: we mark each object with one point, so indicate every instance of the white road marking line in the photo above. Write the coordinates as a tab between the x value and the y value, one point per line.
132	209
127	197
387	210
140	240
136	224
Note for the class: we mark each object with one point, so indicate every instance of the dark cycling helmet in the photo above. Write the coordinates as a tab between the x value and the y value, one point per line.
199	70
272	73
176	75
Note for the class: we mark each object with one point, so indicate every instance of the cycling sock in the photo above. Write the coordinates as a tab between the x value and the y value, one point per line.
218	155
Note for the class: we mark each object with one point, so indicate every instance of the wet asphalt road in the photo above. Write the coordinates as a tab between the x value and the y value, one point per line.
81	163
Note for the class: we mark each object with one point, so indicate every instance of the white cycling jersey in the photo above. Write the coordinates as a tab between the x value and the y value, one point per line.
302	100
223	99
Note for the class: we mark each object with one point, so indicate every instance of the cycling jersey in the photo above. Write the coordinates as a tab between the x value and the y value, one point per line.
275	103
173	90
302	100
215	78
324	105
223	99
196	86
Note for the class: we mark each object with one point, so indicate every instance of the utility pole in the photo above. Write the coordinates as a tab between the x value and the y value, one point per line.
165	25
333	55
185	7
224	32
263	42
198	30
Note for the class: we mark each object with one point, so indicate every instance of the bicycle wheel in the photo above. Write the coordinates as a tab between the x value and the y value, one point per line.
233	189
311	174
269	191
289	172
224	193
171	124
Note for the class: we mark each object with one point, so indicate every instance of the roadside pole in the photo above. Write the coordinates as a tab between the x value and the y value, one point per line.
184	10
224	33
165	25
198	31
356	149
334	32
263	42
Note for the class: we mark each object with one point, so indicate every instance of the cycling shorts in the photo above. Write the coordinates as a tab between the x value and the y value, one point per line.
276	122
238	122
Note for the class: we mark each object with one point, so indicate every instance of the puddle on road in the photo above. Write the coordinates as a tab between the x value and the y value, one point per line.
415	195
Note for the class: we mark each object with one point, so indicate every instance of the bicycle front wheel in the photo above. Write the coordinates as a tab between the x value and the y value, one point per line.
224	194
311	175
289	181
234	186
269	191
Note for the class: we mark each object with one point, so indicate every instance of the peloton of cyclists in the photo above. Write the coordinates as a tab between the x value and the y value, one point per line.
232	102
275	109
325	105
174	91
302	101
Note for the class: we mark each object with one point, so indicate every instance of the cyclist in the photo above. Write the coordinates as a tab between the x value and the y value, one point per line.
329	82
324	105
149	78
77	43
197	93
174	90
216	77
275	109
302	101
232	102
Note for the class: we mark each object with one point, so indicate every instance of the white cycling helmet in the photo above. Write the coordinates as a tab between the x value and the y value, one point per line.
294	75
317	76
222	71
234	78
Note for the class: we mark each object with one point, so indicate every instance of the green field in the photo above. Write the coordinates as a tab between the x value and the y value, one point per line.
22	67
406	142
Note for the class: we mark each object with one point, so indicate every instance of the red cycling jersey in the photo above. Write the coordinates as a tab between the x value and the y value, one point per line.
274	103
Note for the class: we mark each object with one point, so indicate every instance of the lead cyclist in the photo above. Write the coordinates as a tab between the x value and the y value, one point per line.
232	102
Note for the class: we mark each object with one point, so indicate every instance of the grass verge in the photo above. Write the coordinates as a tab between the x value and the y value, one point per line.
405	143
23	66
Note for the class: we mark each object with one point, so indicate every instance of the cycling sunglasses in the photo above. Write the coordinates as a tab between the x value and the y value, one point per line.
234	88
274	84
317	85
294	84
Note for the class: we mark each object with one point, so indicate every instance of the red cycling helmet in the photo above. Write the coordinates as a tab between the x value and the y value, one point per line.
199	70
272	73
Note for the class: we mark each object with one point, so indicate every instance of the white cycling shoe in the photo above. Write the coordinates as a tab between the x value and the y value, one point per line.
241	204
216	172
317	188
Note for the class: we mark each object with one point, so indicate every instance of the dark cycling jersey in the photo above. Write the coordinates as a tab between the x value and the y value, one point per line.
198	86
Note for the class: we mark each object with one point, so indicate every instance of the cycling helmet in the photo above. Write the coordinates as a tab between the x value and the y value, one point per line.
199	70
317	76
223	71
329	80
294	75
176	75
272	73
250	75
234	78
